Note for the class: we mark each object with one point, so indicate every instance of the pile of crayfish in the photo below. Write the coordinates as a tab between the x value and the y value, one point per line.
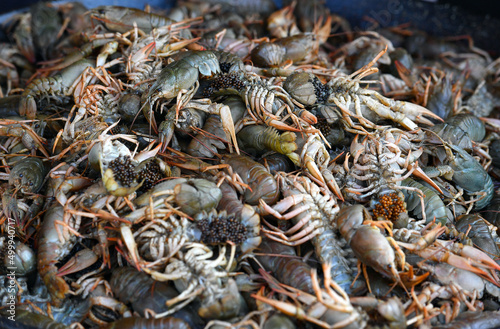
234	165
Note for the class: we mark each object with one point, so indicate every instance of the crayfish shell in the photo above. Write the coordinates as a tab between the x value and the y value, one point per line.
306	88
197	195
191	195
28	175
226	306
268	55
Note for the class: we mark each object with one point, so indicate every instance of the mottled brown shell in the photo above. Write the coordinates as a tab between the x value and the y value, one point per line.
299	85
268	55
262	183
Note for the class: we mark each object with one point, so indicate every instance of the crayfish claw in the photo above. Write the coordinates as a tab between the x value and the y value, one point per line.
82	259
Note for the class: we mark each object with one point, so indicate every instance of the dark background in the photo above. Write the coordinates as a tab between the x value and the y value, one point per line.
480	18
477	7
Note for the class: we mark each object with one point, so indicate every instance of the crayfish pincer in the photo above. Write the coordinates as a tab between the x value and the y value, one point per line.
465	171
367	242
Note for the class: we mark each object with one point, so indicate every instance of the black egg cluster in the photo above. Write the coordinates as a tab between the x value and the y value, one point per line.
123	170
221	230
324	127
150	174
224	81
322	92
225	67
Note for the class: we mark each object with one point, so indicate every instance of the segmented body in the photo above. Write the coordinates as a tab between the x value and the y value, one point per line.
163	236
453	135
266	102
107	105
294	48
268	54
142	323
469	123
99	99
286	266
433	205
137	288
209	142
195	275
140	67
317	218
375	167
474	320
277	162
261	138
191	195
51	250
139	74
144	293
262	184
121	19
306	88
230	201
58	85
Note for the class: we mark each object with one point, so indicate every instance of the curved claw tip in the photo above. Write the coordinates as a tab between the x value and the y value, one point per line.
80	261
163	147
